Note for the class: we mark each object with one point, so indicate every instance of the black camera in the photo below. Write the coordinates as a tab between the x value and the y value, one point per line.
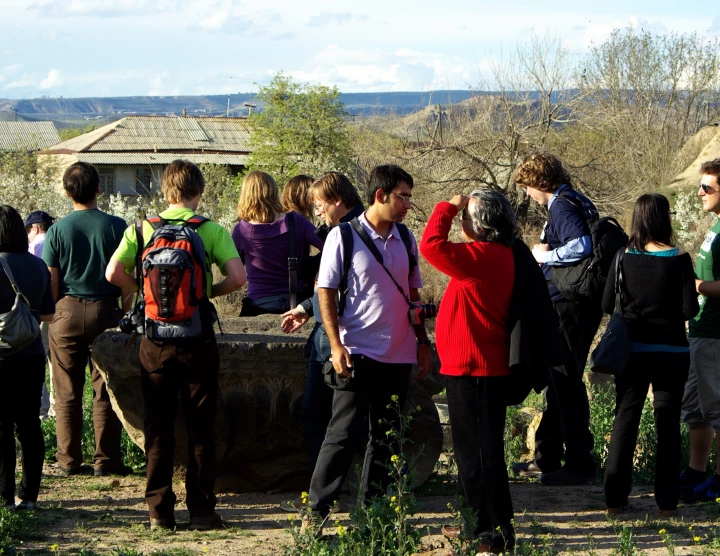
421	311
133	322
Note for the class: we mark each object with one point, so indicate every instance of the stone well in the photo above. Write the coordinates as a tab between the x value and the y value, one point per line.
260	440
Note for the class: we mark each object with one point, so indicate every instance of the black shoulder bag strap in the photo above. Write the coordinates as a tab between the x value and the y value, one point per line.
355	223
138	256
292	261
405	236
346	235
619	282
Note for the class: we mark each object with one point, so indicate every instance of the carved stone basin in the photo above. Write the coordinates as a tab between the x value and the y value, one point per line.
260	439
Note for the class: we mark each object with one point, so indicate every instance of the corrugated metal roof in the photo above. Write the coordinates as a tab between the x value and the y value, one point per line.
162	158
26	136
163	133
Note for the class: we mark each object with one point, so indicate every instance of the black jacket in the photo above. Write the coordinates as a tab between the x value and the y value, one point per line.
535	343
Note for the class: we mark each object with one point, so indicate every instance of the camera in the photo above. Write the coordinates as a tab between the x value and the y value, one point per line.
133	322
421	311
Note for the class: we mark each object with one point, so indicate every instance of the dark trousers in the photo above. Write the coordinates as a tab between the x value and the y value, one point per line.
365	410
667	372
477	418
21	380
318	396
76	324
189	371
564	430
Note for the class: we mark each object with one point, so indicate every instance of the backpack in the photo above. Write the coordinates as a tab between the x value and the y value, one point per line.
346	233
586	279
174	280
18	327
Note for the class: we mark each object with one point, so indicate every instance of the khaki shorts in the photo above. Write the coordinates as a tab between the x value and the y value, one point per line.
701	401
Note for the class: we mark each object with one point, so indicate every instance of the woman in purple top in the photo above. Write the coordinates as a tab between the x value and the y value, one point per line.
263	240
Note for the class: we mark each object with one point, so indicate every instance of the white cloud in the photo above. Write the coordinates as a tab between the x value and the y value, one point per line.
104	8
2	78
160	87
327	18
12	68
25	81
232	18
52	79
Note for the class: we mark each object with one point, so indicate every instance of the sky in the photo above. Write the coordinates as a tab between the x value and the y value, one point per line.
84	48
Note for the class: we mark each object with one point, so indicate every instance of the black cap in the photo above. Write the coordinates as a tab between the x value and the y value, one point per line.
37	217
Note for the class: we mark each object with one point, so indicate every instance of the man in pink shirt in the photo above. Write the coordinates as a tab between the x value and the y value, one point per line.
36	226
373	343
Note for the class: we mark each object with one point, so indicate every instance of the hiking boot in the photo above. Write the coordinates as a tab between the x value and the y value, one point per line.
451	532
690	479
25	505
526	469
709	490
205	523
566	476
166	523
311	525
122	471
79	470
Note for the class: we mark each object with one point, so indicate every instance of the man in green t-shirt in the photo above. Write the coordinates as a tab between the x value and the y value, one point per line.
189	368
77	249
701	402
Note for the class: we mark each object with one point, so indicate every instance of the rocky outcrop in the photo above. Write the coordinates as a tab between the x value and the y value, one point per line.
260	440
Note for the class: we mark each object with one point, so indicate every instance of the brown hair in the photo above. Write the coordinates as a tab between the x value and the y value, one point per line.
81	182
541	170
333	186
182	180
259	199
711	168
651	222
296	195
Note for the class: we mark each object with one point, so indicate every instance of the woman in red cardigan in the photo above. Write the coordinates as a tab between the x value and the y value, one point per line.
472	342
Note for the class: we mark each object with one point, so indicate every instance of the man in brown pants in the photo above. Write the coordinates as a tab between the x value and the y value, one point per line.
77	250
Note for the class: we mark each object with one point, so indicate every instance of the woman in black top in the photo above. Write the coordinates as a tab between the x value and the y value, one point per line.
22	374
658	297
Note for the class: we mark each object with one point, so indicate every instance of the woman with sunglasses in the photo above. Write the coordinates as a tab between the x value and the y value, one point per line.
22	373
658	296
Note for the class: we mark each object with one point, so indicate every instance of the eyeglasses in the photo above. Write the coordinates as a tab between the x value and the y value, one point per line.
707	189
406	199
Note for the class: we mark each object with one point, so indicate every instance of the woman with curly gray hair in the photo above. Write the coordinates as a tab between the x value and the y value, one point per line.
472	342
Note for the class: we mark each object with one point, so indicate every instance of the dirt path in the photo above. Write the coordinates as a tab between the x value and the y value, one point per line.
86	515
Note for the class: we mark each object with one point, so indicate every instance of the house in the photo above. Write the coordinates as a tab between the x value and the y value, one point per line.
131	154
27	136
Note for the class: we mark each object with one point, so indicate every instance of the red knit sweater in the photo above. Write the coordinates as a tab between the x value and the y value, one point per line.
471	332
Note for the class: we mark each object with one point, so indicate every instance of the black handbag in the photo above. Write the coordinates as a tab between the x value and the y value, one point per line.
18	327
333	379
612	353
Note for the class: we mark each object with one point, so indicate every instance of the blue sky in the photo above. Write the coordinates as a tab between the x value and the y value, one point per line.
76	48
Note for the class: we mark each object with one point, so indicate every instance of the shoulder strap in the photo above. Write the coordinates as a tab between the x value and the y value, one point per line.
405	236
156	222
138	255
196	221
619	281
346	234
355	223
292	261
11	278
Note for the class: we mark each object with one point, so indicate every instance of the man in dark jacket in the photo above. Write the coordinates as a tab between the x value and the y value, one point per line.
564	431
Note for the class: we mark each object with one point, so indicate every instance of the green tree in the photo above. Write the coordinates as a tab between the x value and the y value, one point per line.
301	130
72	132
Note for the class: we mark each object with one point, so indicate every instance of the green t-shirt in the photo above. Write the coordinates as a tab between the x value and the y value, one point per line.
707	322
80	246
219	246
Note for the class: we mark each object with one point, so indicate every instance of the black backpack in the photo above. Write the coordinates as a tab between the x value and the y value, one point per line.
346	232
586	279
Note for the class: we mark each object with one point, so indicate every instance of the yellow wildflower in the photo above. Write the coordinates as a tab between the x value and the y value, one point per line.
304	497
54	547
341	530
662	531
394	458
206	549
394	398
697	539
393	498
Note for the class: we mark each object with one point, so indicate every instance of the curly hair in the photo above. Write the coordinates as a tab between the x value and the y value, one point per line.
541	170
493	219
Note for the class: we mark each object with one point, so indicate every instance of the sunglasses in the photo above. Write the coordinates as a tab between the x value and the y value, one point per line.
707	189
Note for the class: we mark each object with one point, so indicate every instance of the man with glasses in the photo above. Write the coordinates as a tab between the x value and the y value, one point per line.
564	431
701	402
373	343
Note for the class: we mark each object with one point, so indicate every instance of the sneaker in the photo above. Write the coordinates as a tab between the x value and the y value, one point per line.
709	490
451	532
311	525
25	505
122	471
205	523
690	479
566	476
526	469
166	523
79	470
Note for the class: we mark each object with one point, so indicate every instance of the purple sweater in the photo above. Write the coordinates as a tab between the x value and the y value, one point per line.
264	250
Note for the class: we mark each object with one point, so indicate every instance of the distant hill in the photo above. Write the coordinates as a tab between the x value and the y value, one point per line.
105	109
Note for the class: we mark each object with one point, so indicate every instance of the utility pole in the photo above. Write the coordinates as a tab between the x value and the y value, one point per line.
227	112
15	110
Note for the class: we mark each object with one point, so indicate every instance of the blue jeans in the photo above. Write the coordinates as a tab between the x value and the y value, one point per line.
317	400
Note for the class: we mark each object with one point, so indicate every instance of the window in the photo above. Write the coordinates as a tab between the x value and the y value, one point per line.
107	180
143	181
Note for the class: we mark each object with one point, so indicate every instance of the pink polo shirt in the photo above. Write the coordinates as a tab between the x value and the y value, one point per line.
375	322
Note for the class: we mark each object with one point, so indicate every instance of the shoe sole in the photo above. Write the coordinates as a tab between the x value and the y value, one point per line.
530	474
